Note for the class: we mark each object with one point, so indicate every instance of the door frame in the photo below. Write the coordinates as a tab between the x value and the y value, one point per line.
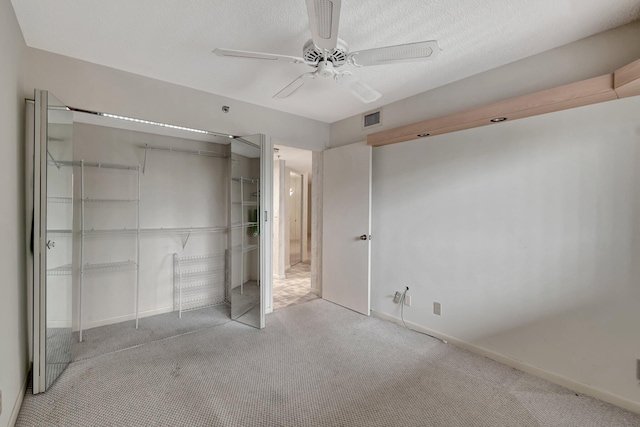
302	219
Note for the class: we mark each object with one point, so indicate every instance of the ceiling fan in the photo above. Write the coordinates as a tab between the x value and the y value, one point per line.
327	53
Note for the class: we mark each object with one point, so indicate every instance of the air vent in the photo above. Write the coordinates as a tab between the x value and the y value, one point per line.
371	119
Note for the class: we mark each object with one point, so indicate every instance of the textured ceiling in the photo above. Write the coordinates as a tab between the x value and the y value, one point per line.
173	40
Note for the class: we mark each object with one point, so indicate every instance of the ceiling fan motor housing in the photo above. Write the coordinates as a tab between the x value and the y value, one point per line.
337	56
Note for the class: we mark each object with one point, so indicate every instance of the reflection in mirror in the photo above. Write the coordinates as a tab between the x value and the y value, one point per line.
245	233
142	240
59	240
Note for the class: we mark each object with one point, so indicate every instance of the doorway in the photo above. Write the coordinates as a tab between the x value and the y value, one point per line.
292	190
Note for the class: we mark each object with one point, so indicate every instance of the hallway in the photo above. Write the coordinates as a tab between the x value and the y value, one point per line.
295	289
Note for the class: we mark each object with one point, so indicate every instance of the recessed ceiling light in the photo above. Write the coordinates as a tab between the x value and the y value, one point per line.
499	119
422	135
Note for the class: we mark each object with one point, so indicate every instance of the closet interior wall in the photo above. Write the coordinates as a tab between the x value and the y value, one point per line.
177	191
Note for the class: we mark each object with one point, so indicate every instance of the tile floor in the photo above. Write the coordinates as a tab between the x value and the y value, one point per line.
295	289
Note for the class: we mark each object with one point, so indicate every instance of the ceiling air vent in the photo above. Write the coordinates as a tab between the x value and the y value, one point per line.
371	119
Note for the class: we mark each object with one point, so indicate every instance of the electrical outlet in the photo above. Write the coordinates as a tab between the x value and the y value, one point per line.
437	308
397	297
407	300
638	369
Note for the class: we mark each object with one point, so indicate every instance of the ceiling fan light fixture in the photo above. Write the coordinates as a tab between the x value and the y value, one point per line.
326	53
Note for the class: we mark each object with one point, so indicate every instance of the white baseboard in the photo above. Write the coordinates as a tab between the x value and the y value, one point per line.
18	403
112	320
58	324
576	386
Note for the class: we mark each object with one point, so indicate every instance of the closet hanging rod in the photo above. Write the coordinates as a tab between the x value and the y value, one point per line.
96	165
185	151
183	229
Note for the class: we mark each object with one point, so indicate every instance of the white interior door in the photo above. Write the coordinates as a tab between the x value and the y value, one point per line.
346	226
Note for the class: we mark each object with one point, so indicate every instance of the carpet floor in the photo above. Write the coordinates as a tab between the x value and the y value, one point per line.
123	335
315	364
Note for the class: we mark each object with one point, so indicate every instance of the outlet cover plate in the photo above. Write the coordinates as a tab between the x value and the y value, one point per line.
437	308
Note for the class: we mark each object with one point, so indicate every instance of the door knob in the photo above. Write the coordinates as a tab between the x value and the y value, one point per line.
50	244
365	237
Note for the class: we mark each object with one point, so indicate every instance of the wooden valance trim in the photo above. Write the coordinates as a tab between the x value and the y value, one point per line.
623	83
627	80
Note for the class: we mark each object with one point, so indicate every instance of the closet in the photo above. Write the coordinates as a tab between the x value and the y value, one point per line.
141	231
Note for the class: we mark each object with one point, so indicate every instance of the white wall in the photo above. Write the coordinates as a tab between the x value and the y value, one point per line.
13	305
527	234
590	57
94	87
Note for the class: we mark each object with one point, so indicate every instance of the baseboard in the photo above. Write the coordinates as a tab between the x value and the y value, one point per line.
18	403
58	324
112	320
576	386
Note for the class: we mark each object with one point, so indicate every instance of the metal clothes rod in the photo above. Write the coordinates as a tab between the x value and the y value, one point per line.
185	230
185	151
154	230
247	180
94	165
112	266
109	200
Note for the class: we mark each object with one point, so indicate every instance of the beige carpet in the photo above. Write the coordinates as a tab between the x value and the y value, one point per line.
316	364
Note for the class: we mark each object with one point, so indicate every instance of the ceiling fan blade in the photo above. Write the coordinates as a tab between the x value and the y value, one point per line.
324	17
257	55
294	86
360	89
411	52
